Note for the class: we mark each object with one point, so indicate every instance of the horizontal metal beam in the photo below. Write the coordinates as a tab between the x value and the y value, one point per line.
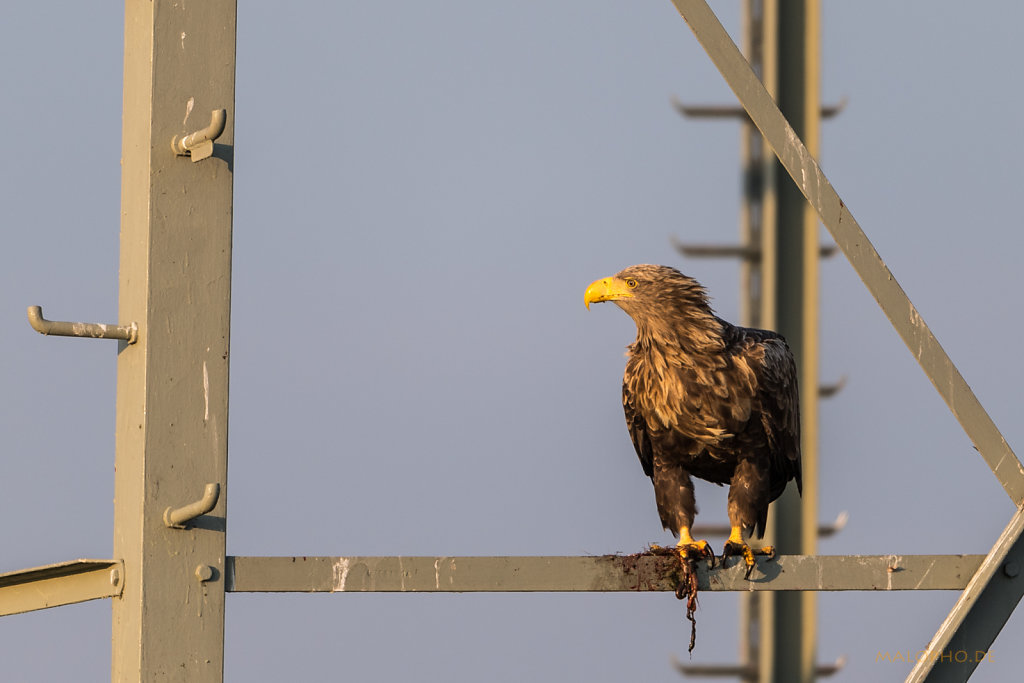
847	233
750	253
745	672
725	111
70	582
607	573
64	583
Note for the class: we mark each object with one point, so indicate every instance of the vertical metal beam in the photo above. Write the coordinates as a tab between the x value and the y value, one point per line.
753	152
172	402
752	148
810	75
769	76
796	295
765	642
789	305
757	279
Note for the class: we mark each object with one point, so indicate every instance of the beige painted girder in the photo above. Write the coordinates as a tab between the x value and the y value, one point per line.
606	573
64	583
172	384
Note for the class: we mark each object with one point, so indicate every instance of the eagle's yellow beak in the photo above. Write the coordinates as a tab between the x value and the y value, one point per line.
606	289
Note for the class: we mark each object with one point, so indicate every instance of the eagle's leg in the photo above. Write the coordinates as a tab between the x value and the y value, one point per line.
748	509
673	492
737	546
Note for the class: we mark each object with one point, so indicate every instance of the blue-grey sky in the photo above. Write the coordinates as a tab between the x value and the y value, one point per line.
459	172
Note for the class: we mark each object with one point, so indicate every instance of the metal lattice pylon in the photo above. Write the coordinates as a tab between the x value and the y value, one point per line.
172	399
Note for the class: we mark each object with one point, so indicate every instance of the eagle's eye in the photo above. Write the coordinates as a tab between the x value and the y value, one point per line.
631	283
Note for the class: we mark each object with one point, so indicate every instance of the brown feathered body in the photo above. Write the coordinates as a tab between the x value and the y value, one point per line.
709	399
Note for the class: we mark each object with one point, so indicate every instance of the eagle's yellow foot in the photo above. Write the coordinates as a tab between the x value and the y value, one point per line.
690	549
737	546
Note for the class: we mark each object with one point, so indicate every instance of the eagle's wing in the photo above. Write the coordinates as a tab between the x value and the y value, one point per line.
780	411
637	427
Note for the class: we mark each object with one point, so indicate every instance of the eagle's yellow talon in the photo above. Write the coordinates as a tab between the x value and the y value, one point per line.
733	547
689	549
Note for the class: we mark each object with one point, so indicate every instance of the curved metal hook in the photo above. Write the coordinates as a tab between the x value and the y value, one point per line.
199	145
129	333
176	518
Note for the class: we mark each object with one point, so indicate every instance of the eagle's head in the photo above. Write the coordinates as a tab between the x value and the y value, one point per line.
663	302
646	290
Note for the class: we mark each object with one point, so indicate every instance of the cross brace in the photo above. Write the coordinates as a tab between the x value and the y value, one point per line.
64	583
981	611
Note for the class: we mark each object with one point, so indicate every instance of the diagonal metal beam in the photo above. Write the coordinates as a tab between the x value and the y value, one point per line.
967	633
603	573
808	176
64	583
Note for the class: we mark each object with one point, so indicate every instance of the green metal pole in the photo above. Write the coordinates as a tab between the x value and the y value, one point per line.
796	294
172	384
788	303
810	378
